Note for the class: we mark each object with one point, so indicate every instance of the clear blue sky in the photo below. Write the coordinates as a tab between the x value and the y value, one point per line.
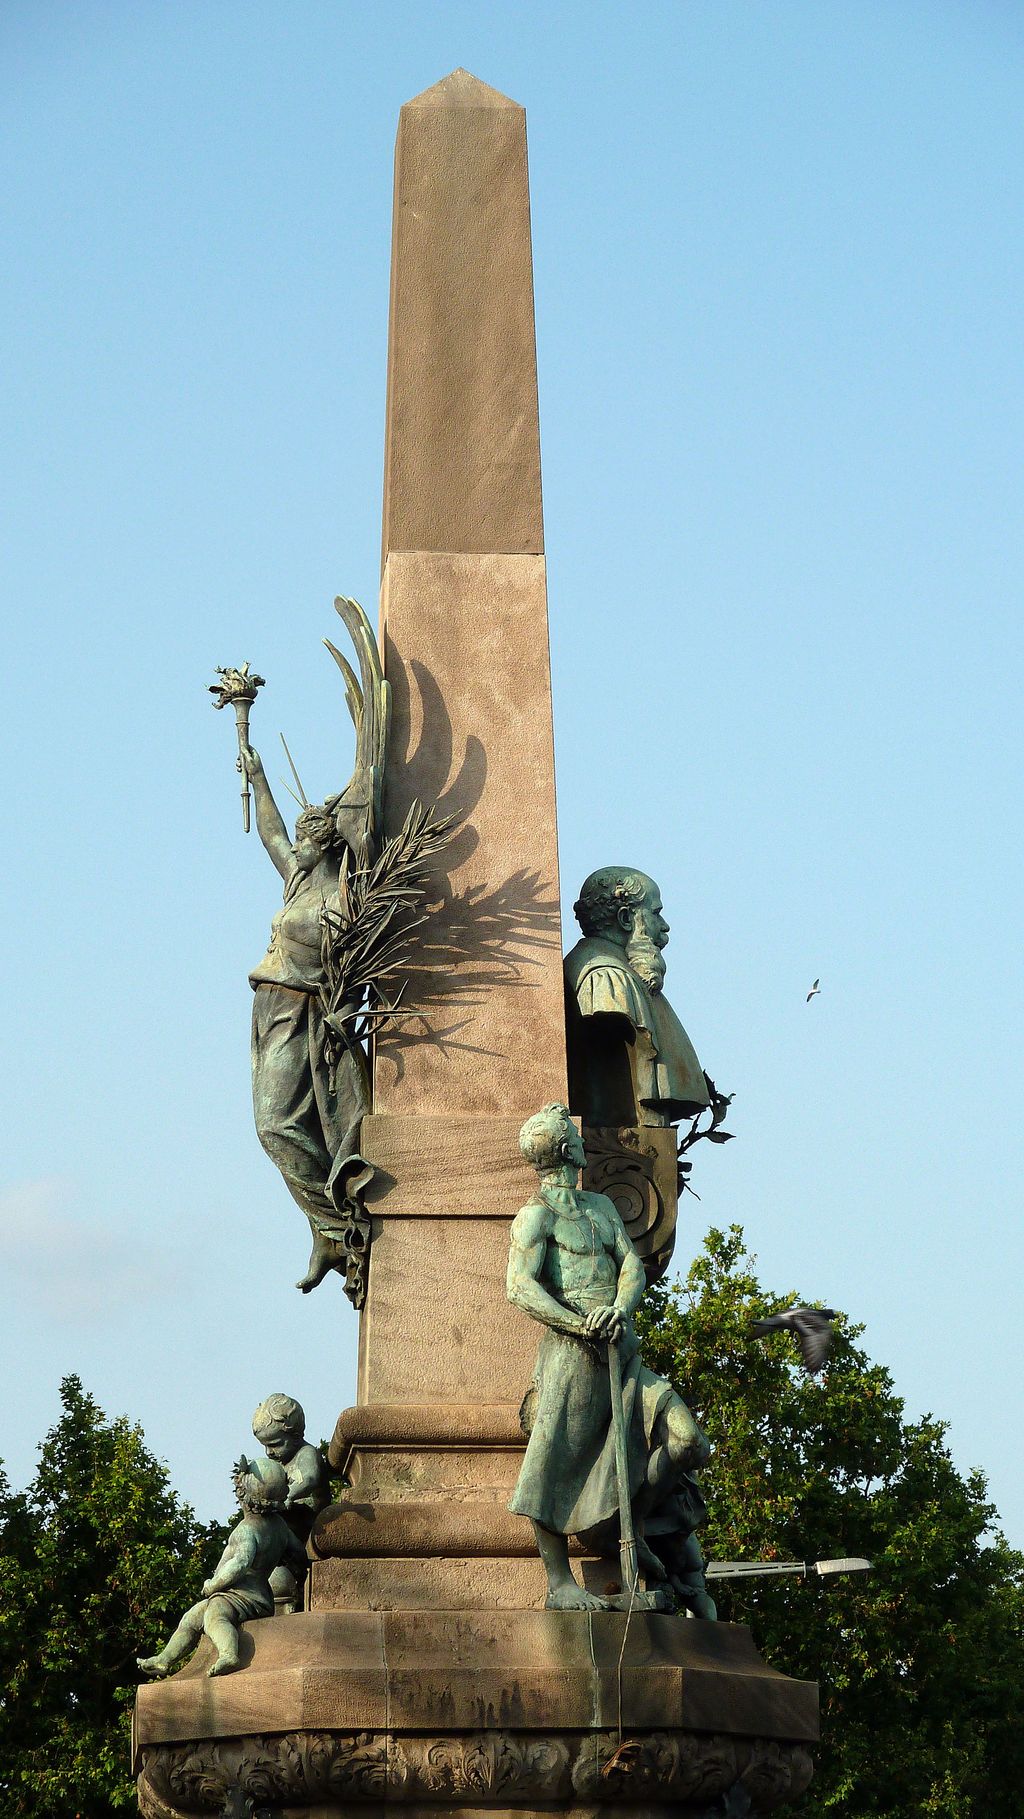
778	272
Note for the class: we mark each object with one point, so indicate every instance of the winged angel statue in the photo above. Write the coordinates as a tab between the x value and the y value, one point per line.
350	902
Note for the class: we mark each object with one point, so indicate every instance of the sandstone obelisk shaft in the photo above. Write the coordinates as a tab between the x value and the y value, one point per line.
464	603
464	631
434	1444
462	443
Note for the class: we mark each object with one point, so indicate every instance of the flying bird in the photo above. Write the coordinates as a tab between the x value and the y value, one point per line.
815	991
812	1327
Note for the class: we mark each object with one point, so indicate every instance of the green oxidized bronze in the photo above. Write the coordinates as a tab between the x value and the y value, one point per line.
630	1059
237	688
310	1090
633	1071
350	903
612	1448
240	1587
279	1425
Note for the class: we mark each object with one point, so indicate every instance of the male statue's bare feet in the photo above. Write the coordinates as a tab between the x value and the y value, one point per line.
153	1666
572	1597
224	1664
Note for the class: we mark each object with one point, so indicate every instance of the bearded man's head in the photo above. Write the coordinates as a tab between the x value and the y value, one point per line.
622	905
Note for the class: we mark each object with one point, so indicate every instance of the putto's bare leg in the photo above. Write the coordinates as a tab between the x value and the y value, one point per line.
648	1562
688	1581
221	1627
181	1644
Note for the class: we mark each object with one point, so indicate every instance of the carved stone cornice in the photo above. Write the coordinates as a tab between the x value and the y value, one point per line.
688	1773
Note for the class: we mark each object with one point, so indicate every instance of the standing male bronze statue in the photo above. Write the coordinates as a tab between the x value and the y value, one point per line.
573	1267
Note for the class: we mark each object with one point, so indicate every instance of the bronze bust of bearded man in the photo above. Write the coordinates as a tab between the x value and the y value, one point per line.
630	1059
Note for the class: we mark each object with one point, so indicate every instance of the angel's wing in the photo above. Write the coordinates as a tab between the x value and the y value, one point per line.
369	703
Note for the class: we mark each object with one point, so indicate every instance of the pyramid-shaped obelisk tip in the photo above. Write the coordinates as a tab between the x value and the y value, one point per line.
460	89
462	449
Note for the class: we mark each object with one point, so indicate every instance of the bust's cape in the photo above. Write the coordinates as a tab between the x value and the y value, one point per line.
669	1080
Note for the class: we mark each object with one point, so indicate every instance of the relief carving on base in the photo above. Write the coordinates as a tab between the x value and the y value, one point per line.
683	1767
702	1776
693	1770
274	1771
487	1765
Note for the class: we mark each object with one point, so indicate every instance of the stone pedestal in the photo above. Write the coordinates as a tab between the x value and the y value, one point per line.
518	1712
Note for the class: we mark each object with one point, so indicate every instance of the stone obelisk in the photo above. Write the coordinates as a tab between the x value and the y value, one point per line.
444	1361
424	1674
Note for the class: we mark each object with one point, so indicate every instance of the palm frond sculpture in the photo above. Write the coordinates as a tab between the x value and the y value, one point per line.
369	936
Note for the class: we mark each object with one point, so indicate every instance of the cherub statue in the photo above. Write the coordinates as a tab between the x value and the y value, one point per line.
280	1427
240	1587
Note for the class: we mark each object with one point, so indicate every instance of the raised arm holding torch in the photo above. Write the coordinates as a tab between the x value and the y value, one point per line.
238	686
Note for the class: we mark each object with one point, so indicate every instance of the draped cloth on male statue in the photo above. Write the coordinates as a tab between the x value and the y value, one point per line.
567	1482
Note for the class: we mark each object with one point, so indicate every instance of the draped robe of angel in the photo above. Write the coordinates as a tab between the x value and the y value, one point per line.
308	1112
570	1253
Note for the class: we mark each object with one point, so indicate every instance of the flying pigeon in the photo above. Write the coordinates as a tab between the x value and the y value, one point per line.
812	1326
815	991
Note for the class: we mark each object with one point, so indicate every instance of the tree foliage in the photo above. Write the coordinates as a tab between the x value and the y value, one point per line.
97	1560
921	1662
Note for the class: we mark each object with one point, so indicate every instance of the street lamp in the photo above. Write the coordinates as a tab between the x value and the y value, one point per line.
749	1569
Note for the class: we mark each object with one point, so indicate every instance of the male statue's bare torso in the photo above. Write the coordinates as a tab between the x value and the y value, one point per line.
581	1265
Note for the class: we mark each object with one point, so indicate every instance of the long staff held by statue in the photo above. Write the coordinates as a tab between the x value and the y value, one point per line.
627	1537
238	687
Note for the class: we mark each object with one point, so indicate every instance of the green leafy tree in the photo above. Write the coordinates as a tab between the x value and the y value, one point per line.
921	1662
97	1560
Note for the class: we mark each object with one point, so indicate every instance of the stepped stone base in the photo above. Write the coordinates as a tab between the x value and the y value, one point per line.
503	1711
